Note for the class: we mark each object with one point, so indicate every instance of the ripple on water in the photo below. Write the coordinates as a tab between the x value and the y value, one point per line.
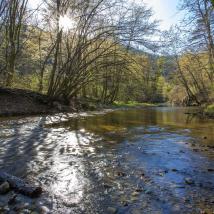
134	161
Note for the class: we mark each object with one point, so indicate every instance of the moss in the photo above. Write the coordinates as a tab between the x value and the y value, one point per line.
131	104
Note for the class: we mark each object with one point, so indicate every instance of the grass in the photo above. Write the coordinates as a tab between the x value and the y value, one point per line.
209	110
130	104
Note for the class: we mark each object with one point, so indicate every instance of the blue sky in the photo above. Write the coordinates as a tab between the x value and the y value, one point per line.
166	11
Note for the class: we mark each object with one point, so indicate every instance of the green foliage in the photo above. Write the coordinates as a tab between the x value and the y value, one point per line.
131	104
209	109
98	65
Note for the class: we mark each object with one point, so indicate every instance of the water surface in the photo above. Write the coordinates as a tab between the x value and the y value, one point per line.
136	161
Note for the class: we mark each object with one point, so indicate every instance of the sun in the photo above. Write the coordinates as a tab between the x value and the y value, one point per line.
66	23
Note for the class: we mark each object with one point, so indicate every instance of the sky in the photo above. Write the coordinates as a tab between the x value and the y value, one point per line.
164	10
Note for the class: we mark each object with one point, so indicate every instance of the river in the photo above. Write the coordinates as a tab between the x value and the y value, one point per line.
150	160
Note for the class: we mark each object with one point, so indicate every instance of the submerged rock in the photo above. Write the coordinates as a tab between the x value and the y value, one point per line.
121	174
4	188
139	190
12	200
107	186
148	191
111	210
135	193
189	181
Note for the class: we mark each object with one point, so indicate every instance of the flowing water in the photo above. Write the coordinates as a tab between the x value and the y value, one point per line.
152	160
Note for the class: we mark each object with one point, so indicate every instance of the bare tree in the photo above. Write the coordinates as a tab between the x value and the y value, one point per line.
13	27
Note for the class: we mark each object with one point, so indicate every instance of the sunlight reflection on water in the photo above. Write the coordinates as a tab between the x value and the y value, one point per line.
86	164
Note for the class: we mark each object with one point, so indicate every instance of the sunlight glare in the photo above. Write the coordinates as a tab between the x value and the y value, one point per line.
66	23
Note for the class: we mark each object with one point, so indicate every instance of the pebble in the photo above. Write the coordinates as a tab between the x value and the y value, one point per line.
20	207
4	188
121	174
148	191
139	190
25	211
125	204
106	186
189	181
135	193
44	210
111	210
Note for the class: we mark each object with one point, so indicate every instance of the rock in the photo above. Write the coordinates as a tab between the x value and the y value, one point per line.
121	174
44	210
189	181
20	185
107	186
19	207
111	210
125	204
13	212
148	191
12	200
179	186
6	209
61	151
142	175
211	147
135	193
25	211
139	190
4	188
160	174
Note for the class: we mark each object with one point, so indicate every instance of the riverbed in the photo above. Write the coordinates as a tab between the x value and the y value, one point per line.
149	160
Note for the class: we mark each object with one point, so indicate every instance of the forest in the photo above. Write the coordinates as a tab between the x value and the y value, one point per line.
107	50
106	106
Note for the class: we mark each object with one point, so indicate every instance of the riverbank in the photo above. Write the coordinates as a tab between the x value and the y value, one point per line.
132	104
19	102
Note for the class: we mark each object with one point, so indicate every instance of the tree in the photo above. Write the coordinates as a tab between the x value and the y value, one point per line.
14	17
